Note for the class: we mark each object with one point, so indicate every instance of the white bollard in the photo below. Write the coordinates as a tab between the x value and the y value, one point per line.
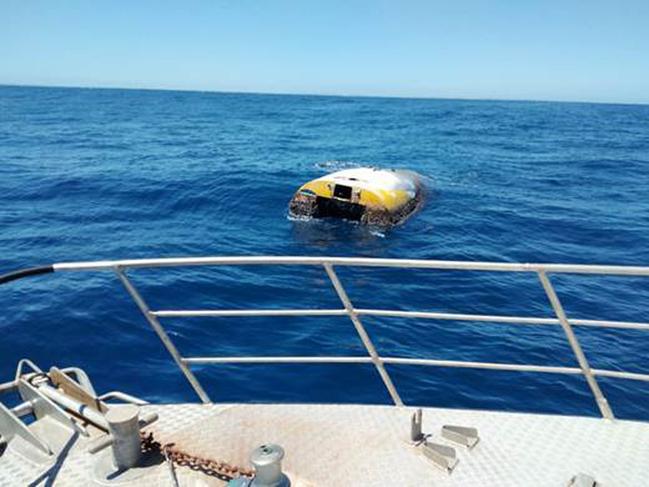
123	422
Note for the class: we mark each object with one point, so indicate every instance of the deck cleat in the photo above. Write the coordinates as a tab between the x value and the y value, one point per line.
442	456
461	435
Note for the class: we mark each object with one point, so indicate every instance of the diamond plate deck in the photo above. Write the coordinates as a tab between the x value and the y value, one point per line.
345	445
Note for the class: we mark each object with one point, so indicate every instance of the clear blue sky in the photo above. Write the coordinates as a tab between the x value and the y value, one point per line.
519	49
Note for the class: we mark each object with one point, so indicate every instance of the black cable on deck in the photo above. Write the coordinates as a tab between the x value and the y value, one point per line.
32	271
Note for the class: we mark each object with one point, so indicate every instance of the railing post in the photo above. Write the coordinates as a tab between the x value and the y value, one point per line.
360	329
601	401
157	327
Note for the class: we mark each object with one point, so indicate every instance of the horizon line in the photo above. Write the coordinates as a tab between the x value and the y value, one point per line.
324	95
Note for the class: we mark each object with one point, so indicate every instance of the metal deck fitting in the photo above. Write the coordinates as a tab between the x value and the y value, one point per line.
461	435
325	445
340	445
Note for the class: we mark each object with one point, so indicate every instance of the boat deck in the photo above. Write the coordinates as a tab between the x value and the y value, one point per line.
325	445
343	445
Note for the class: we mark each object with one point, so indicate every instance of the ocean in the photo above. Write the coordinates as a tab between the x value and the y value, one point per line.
88	174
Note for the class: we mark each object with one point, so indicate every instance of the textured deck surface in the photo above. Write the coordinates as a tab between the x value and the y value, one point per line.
340	445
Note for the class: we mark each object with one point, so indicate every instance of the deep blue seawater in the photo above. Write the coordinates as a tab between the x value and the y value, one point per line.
106	174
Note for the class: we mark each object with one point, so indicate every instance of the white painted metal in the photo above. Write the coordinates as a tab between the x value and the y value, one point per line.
124	426
121	396
355	262
387	360
514	320
415	361
23	409
329	262
246	312
280	360
7	386
365	338
11	426
71	404
162	334
482	365
602	403
345	445
621	375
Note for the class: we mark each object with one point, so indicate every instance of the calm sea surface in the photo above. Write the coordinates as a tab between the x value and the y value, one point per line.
106	174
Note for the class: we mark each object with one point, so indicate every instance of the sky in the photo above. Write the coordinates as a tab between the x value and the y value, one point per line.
525	49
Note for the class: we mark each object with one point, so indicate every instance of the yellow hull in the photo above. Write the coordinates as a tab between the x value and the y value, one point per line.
390	200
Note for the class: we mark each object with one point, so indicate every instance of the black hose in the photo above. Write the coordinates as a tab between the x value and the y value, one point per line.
32	271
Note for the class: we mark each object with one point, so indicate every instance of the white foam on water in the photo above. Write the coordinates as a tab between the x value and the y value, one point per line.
336	165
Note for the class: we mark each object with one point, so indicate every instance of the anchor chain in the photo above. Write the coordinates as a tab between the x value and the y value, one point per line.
214	468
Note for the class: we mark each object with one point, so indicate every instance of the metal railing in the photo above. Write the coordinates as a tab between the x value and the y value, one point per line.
355	315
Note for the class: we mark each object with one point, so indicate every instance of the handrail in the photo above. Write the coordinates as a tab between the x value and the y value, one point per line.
328	264
162	334
394	313
355	262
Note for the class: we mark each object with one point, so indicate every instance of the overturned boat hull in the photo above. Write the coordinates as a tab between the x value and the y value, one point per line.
371	196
